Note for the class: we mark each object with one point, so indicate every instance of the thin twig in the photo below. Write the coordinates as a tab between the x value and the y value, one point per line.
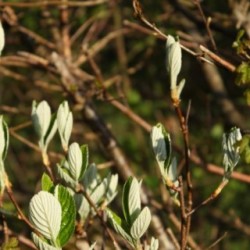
53	3
218	59
99	215
213	196
183	216
207	24
20	213
217	241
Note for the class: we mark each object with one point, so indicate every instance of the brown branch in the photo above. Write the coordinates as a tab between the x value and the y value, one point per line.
140	15
52	3
218	59
64	18
207	24
101	44
20	213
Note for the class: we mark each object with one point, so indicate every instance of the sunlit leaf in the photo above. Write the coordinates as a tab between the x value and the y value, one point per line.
119	226
64	123
141	223
45	214
4	138
2	38
161	143
68	214
47	183
75	160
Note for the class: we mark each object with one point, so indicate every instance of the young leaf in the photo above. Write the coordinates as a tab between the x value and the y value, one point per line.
41	115
92	247
2	38
42	245
231	151
47	183
119	226
75	161
125	199
66	177
50	132
162	146
141	224
112	187
45	214
173	61
68	214
85	159
10	244
134	200
4	138
2	178
154	244
83	207
90	178
64	123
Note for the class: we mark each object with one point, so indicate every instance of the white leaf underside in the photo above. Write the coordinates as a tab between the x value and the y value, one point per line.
75	160
141	224
45	214
134	201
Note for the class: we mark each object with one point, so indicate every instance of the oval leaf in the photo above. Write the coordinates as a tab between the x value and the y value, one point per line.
75	160
134	200
45	213
68	214
65	123
41	115
141	224
47	183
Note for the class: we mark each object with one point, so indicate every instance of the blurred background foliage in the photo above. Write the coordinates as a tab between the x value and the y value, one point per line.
132	66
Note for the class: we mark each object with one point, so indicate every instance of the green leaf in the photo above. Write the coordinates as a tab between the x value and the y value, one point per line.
231	150
42	245
11	244
68	214
120	226
125	199
47	183
51	131
85	159
4	138
243	74
45	214
141	224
